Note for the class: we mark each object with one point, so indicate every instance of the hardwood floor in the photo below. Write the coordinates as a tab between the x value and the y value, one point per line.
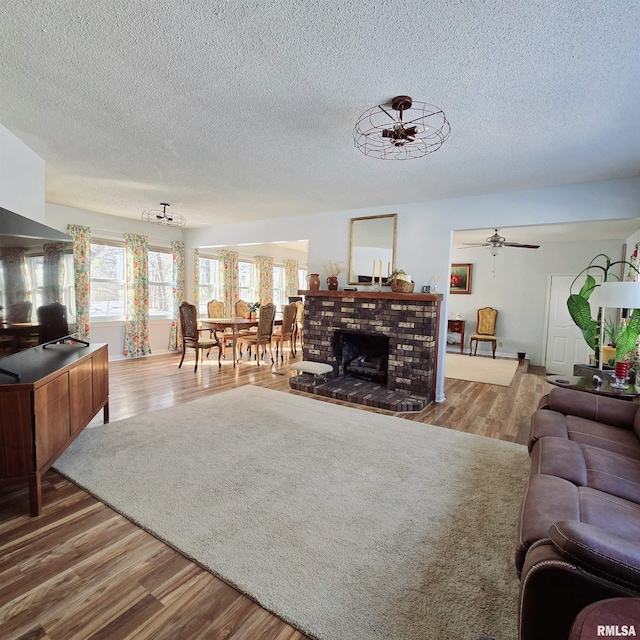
82	571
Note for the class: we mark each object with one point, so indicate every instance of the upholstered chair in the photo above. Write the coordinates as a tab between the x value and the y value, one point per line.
486	330
284	333
191	338
263	336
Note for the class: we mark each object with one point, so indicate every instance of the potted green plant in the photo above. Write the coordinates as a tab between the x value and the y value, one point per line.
580	309
253	309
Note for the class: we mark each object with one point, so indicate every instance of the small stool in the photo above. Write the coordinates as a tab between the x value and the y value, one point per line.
317	369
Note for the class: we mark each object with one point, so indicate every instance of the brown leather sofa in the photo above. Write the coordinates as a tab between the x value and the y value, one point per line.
579	530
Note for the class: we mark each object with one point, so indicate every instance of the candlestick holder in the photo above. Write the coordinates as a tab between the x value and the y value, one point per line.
622	368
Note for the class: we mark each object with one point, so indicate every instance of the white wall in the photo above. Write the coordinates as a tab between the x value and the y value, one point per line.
21	177
425	228
515	283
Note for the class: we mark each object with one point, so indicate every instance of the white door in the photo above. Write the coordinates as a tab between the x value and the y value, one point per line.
565	343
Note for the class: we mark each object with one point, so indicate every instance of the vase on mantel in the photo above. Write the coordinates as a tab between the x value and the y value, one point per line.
332	283
314	281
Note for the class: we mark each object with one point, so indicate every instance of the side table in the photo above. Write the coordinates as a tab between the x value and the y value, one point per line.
457	326
605	388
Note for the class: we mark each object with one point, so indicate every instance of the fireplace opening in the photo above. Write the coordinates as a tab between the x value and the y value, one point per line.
362	355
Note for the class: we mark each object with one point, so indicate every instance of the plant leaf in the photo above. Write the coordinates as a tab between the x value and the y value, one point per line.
588	287
580	311
629	337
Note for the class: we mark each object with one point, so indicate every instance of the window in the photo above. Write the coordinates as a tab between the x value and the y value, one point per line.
279	298
247	289
107	276
208	283
302	279
160	283
35	275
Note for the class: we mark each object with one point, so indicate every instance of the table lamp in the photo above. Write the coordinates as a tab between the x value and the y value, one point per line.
617	295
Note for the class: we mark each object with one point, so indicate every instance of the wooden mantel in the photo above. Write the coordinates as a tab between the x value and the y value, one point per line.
379	295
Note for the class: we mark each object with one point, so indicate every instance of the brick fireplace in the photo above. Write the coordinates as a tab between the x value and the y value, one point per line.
408	321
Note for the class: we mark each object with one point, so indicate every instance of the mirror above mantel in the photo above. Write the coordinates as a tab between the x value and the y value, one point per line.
372	242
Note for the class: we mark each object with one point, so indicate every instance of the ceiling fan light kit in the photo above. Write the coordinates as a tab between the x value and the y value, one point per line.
405	130
163	217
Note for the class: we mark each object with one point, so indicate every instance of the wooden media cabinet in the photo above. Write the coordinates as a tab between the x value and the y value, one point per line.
61	387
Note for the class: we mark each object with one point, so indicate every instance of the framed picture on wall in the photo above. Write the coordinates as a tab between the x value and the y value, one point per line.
460	278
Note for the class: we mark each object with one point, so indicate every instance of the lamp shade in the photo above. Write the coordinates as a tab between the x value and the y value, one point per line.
620	295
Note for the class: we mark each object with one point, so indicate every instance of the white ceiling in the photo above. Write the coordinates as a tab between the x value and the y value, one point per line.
244	110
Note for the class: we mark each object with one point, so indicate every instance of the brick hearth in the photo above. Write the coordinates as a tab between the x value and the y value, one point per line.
410	321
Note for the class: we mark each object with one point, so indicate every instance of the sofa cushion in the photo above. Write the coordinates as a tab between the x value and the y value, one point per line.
587	466
561	458
596	434
549	499
591	406
546	422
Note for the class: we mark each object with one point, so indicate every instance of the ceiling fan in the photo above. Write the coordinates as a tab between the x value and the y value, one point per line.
496	242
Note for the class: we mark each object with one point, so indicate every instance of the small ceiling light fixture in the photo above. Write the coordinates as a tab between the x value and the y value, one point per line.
156	216
415	130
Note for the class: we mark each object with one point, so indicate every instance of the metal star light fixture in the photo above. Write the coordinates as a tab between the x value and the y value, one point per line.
403	131
156	216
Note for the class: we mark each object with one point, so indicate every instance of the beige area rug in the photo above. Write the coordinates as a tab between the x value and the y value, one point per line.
348	524
480	369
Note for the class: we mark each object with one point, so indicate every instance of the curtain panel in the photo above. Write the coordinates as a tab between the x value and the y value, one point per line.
291	284
53	272
264	268
16	279
196	278
179	283
81	264
136	331
229	280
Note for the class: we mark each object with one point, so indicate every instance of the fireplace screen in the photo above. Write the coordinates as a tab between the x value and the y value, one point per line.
362	355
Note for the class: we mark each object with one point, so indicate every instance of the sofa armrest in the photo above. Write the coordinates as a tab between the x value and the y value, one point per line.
598	551
611	411
554	590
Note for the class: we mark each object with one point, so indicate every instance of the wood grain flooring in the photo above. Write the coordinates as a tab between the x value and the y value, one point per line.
81	571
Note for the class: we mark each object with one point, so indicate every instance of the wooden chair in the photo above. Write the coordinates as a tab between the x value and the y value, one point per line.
486	330
20	312
299	322
52	322
191	334
284	333
263	335
215	309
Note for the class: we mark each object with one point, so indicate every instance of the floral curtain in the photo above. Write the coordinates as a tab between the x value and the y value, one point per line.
81	263
291	284
53	272
179	281
196	278
136	331
634	259
264	268
229	280
16	279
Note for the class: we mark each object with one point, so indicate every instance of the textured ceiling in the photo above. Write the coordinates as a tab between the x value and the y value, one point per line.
243	110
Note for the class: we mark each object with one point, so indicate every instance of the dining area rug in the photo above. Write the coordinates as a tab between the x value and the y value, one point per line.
343	522
500	371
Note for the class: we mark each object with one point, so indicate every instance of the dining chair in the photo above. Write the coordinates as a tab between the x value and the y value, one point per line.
486	330
20	312
191	335
52	322
284	333
215	309
263	336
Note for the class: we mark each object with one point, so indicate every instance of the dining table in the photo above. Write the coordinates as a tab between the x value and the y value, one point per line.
235	324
